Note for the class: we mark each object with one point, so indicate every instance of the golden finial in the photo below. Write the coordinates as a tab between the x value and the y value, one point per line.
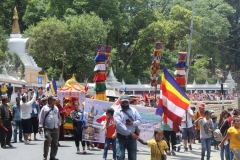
15	13
15	26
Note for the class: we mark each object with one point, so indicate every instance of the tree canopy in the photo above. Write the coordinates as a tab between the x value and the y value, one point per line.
131	28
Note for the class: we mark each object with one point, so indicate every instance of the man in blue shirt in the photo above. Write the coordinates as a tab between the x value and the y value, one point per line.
17	122
126	120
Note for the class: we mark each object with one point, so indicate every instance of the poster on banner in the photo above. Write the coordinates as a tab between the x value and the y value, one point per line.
96	109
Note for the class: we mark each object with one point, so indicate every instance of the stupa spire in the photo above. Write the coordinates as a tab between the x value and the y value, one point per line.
15	25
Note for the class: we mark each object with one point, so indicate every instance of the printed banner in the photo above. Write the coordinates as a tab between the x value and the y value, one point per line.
96	109
39	79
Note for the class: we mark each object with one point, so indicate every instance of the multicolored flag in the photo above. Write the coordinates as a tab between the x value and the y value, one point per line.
117	103
174	101
53	86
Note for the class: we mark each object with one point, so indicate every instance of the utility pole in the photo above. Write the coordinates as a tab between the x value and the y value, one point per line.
190	41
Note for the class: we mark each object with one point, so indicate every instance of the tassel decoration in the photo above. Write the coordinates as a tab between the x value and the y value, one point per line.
180	64
180	70
102	61
100	87
100	57
181	80
157	54
101	67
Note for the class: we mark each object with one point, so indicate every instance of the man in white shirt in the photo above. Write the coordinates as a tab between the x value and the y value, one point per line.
187	129
26	110
49	120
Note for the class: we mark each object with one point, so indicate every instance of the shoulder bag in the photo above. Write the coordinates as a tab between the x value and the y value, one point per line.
137	130
163	156
47	115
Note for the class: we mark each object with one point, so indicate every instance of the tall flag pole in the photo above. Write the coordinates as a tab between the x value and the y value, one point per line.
180	70
102	61
157	54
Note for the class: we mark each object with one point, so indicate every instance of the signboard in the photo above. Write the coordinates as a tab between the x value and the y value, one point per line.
96	109
40	79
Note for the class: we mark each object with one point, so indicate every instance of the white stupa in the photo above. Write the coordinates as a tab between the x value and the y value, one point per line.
19	45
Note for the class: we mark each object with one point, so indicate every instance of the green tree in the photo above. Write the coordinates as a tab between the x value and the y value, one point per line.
50	38
87	30
3	47
35	11
6	13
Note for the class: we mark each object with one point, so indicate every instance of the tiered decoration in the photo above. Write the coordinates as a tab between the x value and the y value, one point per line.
102	60
180	72
157	54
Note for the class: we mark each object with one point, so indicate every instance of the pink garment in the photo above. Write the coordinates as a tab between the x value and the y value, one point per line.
61	109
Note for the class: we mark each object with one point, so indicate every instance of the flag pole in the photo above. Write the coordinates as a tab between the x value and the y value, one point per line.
190	41
157	54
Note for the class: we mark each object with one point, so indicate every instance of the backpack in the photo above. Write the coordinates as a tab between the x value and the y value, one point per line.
81	122
218	135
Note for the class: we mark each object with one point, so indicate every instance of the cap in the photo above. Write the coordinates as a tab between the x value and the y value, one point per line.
51	98
124	98
201	105
44	99
207	112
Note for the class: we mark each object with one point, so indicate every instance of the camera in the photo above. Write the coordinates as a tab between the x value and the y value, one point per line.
128	120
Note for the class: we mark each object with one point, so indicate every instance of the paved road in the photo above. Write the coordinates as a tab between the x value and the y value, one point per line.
68	152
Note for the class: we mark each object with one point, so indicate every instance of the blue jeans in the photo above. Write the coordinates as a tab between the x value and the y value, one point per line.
225	149
128	143
106	147
206	145
17	125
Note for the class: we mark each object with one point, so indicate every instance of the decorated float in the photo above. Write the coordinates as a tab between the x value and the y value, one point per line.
72	91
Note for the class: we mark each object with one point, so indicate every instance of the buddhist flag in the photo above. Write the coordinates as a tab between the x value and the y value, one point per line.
173	100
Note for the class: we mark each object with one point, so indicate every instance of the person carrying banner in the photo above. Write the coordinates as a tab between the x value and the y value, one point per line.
78	115
110	133
5	123
187	129
127	119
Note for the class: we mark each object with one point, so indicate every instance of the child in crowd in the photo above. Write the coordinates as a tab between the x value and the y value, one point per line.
18	94
206	127
215	126
233	134
110	133
157	145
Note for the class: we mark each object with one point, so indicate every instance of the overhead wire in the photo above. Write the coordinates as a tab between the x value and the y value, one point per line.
218	43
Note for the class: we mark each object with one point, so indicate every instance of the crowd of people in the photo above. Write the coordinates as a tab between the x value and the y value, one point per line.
35	113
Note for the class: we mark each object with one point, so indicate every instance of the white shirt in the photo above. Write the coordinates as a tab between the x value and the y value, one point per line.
26	108
189	119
